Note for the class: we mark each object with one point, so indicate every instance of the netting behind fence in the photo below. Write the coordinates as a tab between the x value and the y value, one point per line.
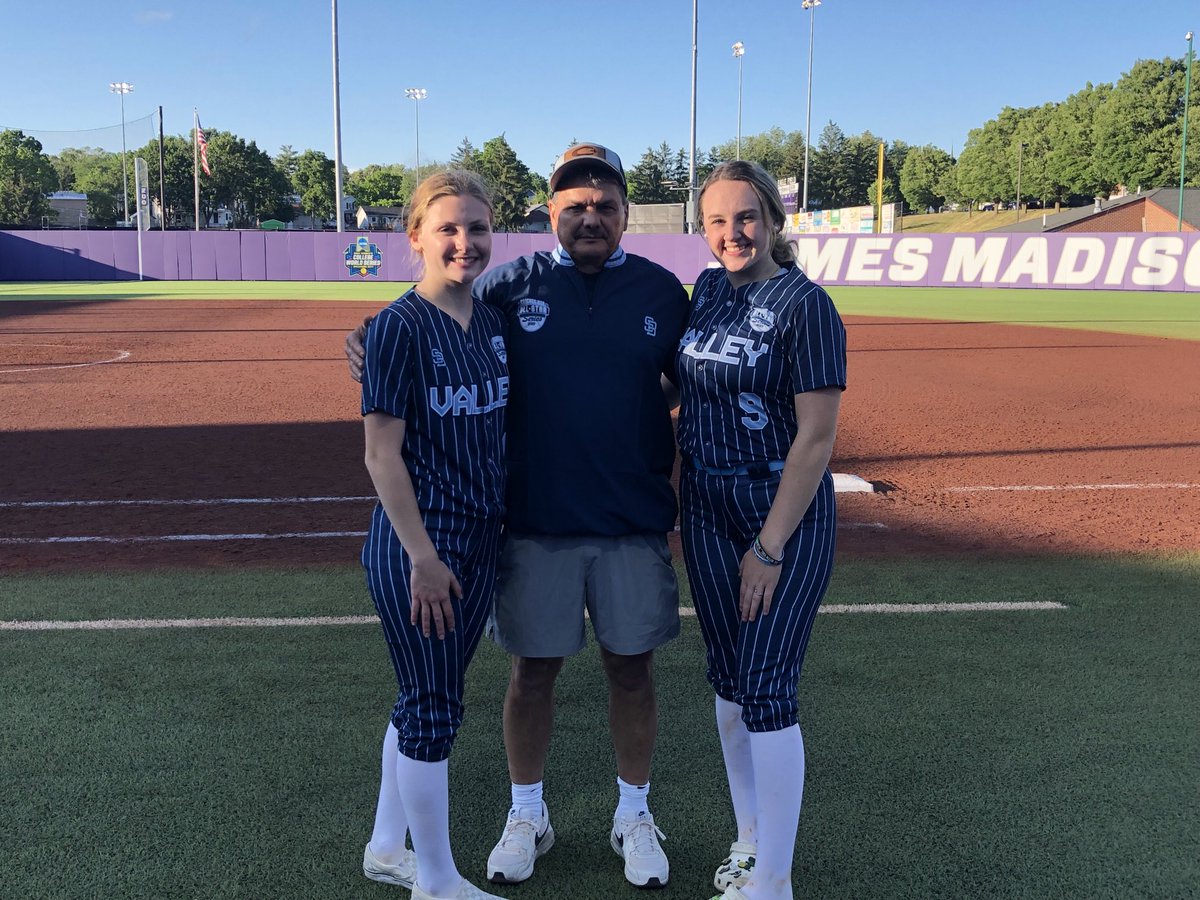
138	131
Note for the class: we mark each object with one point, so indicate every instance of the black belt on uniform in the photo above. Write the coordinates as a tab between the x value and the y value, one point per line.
757	470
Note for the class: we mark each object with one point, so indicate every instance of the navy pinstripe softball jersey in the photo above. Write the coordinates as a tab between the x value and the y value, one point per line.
450	386
747	352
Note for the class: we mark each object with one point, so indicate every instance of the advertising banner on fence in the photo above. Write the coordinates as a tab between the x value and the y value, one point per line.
1110	261
1164	261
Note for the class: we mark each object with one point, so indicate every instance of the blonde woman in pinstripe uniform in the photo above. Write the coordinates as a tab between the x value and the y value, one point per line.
761	371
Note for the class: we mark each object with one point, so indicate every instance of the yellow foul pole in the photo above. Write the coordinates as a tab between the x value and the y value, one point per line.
879	194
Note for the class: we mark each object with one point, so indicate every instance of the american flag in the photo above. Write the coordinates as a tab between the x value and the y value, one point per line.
203	145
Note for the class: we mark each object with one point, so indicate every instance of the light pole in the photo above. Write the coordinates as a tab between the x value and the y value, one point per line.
338	187
691	200
811	6
123	88
739	50
417	95
1187	90
1020	151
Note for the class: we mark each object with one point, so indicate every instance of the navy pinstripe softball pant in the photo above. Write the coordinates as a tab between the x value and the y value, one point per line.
431	672
754	664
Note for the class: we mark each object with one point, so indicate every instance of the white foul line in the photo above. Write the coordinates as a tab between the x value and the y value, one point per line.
216	501
981	488
152	538
998	606
121	354
225	622
309	621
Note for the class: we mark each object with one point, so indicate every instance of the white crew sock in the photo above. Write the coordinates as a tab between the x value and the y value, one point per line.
527	800
779	767
425	788
633	799
739	768
391	825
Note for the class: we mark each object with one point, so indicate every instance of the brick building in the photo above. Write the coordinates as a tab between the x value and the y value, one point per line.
1156	210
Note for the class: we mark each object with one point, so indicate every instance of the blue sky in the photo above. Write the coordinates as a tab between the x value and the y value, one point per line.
545	72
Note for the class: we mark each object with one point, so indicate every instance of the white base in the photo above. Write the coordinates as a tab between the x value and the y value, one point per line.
851	484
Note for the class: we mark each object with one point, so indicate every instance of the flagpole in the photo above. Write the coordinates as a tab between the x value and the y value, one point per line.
196	160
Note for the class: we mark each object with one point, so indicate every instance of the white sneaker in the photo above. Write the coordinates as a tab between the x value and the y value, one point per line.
403	873
636	842
466	891
735	869
522	842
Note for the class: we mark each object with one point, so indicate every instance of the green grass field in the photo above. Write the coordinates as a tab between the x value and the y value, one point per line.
1019	754
1152	313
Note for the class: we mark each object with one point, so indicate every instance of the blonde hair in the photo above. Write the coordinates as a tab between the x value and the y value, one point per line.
766	190
451	183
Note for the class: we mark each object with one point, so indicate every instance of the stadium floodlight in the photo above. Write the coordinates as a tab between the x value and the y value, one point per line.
122	88
811	6
739	50
416	95
1187	91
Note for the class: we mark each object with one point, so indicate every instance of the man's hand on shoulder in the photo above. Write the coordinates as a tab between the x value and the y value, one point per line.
356	349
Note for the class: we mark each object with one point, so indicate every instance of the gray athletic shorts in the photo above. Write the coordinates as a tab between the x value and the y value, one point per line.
544	583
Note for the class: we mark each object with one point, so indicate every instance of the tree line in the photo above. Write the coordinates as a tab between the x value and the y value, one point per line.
1103	136
252	185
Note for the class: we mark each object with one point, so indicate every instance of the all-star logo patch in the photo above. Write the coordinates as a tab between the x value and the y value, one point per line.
532	313
762	319
498	347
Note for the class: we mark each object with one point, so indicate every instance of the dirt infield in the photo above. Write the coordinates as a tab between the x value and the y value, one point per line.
984	438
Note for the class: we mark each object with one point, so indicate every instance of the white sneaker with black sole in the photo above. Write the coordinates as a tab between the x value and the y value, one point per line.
523	841
635	840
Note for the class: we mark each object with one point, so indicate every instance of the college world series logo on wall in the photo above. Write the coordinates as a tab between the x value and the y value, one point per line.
363	258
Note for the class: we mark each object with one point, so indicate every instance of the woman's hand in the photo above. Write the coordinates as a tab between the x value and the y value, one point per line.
355	349
758	586
432	586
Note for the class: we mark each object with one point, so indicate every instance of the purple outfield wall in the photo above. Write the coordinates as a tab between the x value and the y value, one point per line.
1161	262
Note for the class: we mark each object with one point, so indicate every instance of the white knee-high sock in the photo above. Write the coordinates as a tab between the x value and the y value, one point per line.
779	771
391	825
425	789
735	747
